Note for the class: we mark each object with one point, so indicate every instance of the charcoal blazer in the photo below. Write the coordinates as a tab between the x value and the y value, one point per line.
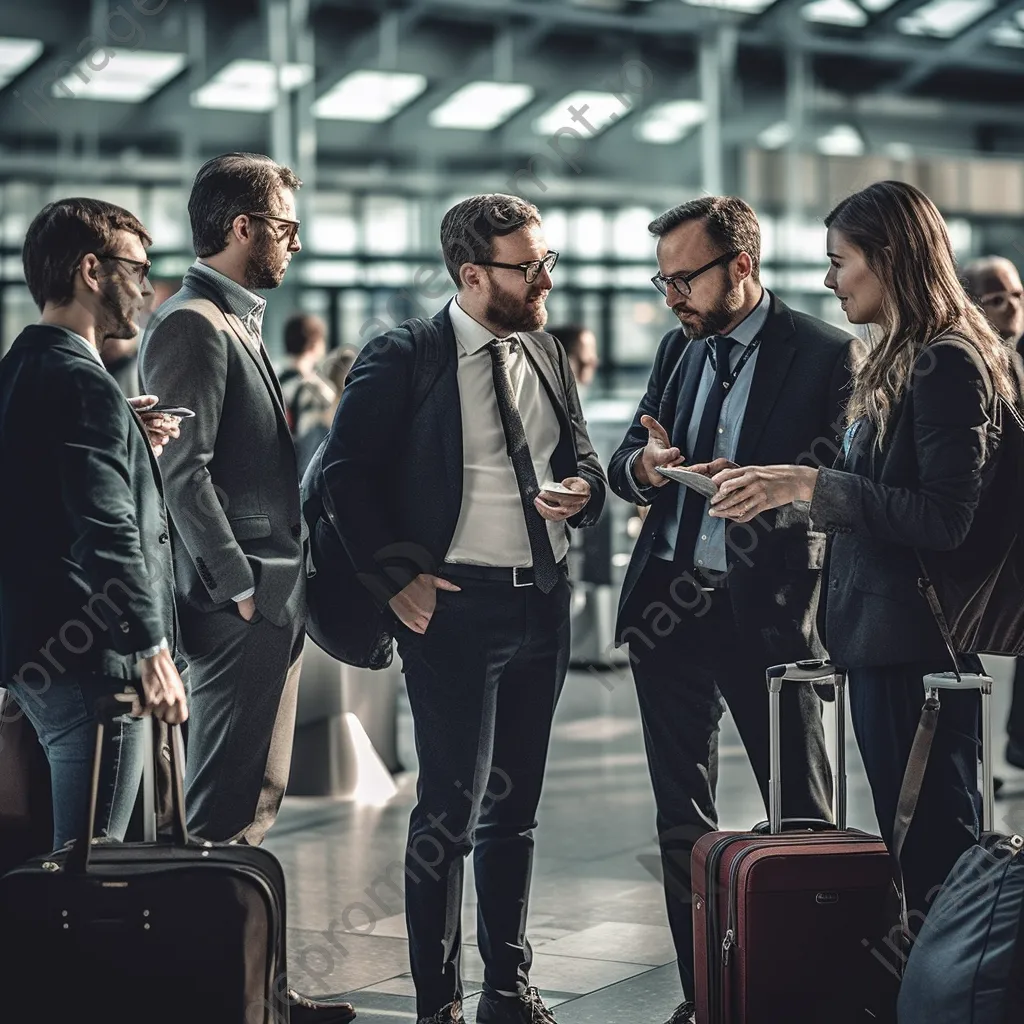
395	473
794	414
232	477
86	575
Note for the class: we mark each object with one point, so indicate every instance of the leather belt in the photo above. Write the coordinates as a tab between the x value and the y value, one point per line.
518	576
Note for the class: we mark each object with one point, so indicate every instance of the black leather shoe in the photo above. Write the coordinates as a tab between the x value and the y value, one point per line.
684	1013
1015	752
450	1014
324	1010
527	1009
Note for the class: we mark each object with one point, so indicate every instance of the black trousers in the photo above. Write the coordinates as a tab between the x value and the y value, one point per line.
1015	724
483	682
885	704
683	683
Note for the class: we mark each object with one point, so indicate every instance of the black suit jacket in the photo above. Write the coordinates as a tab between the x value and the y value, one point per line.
231	478
919	490
794	414
395	474
86	578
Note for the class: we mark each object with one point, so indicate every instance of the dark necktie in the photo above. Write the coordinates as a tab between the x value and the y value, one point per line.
694	505
545	571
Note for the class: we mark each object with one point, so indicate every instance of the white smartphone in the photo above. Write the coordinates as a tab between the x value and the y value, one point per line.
552	488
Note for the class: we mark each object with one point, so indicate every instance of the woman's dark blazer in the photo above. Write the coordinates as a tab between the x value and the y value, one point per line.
919	489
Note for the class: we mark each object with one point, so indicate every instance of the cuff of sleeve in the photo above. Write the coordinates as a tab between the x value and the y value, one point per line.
830	504
244	595
152	652
642	492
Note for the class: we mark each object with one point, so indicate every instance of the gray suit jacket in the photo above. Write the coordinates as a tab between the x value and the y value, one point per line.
231	479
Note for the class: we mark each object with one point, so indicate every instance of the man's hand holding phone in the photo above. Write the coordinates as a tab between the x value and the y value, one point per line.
658	452
557	502
161	425
415	604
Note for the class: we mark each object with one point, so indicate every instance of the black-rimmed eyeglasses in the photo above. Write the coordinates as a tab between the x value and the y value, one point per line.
290	232
530	270
681	282
140	268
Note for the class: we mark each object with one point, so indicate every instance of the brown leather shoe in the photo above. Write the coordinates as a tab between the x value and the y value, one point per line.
322	1010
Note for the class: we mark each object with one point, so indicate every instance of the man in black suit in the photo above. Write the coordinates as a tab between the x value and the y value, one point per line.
440	499
86	581
706	608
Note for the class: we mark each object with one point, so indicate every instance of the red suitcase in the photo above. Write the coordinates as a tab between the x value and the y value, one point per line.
791	920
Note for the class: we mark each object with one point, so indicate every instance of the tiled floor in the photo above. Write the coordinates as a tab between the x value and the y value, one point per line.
603	951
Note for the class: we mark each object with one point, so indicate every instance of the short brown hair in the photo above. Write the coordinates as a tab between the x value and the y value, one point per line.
62	234
301	332
228	186
468	229
731	225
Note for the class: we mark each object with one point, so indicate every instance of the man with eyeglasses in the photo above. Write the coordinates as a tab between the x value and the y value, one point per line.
458	457
706	608
86	580
232	490
993	282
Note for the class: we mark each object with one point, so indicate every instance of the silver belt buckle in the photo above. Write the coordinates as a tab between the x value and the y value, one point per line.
515	577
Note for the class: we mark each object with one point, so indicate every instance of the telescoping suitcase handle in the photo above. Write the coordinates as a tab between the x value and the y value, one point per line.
106	710
816	671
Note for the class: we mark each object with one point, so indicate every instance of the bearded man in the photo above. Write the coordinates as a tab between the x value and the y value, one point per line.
446	433
706	608
233	495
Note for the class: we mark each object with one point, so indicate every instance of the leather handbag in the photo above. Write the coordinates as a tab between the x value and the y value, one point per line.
26	808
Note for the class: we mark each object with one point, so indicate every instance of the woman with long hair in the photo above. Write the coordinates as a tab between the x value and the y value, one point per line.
919	431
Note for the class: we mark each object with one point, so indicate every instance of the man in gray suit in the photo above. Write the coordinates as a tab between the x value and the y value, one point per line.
232	491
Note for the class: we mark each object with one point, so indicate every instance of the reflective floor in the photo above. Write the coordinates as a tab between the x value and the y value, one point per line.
602	949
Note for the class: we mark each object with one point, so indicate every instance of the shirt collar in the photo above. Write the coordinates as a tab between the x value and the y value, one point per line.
242	302
750	326
84	343
471	335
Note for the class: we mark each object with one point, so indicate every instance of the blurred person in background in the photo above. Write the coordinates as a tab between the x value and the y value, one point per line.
909	480
336	366
993	282
87	533
309	401
580	346
232	491
706	609
448	491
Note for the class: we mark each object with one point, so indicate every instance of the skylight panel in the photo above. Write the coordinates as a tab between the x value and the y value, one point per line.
588	113
481	106
835	12
16	55
373	96
124	77
250	85
943	18
670	122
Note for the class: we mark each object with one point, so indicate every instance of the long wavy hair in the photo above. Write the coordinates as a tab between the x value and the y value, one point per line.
906	244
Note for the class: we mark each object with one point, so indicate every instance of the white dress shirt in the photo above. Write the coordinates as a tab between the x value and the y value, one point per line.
492	527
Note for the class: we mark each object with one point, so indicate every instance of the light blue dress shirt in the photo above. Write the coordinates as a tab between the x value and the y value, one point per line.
711	552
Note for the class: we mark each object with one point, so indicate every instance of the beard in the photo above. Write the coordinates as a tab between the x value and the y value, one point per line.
120	313
514	313
713	320
266	266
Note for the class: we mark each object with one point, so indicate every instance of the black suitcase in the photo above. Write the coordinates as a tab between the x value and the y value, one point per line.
166	932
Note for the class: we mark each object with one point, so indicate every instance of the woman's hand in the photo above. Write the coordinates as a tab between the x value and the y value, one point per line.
743	494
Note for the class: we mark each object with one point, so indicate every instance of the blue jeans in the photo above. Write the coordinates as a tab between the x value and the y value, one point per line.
62	716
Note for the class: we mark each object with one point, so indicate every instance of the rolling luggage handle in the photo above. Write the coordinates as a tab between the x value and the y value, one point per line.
816	671
107	709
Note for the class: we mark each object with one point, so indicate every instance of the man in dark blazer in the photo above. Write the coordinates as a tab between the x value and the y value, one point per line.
440	499
86	581
705	608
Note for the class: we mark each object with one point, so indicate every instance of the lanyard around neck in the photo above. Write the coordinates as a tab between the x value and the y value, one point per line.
729	380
